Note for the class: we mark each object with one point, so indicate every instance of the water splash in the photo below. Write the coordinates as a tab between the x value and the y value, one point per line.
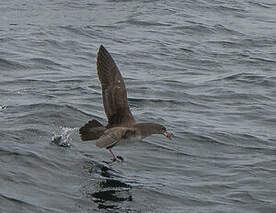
63	136
2	107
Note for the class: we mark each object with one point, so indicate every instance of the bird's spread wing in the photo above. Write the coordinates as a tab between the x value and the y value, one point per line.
106	141
114	135
113	90
110	137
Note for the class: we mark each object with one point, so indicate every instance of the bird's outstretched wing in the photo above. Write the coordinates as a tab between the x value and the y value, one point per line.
114	135
106	141
113	91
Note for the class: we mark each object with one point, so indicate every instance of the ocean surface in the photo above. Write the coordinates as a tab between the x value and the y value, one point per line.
206	69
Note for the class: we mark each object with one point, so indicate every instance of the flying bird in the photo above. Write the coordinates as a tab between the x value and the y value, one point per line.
121	127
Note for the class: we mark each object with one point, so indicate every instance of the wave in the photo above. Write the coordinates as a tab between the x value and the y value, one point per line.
193	29
219	28
8	64
261	4
44	61
143	23
85	31
154	100
249	78
27	134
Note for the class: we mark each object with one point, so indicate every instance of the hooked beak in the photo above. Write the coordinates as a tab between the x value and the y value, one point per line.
168	135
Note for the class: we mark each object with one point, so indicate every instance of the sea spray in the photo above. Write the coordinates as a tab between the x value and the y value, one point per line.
63	137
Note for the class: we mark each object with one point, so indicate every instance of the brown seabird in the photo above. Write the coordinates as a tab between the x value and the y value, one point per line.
121	126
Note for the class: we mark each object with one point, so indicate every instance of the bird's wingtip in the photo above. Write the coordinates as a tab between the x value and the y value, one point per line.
101	48
101	51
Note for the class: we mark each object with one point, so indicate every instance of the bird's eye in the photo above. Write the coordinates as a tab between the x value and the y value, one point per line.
163	129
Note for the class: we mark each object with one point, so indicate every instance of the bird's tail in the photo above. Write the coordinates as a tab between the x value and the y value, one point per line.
92	130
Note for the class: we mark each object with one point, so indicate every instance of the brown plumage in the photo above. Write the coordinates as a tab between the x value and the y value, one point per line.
121	125
113	90
91	130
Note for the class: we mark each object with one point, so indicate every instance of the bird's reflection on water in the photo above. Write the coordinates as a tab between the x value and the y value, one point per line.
110	192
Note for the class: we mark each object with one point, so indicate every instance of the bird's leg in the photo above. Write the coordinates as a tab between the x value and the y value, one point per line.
114	157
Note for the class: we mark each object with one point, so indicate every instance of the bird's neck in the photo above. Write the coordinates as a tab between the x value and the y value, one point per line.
146	129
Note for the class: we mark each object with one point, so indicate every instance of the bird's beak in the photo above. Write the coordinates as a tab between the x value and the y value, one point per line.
168	135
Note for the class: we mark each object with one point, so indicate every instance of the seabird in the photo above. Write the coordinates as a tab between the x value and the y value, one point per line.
121	126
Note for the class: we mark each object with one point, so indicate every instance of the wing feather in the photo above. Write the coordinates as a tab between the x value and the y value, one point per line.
113	135
106	141
113	90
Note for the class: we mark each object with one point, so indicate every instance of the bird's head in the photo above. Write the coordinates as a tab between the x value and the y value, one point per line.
164	132
148	129
160	129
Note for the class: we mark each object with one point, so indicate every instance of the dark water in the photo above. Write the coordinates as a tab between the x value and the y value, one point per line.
206	69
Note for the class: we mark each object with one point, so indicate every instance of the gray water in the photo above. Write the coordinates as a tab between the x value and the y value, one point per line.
205	69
